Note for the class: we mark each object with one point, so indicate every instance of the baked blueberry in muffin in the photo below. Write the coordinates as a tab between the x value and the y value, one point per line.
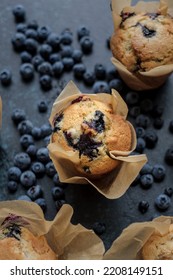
143	41
91	129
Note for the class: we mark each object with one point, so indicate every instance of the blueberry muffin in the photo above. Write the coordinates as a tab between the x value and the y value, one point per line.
90	129
159	247
18	243
143	41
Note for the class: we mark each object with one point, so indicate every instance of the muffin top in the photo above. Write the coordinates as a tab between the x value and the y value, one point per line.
143	41
159	247
91	130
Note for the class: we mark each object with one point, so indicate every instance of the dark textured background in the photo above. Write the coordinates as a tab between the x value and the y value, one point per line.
89	206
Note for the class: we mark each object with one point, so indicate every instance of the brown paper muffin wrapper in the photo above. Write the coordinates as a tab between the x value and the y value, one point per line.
157	76
68	241
129	244
114	184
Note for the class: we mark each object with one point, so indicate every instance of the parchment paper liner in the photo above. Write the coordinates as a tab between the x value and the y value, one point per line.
157	76
114	184
129	244
68	241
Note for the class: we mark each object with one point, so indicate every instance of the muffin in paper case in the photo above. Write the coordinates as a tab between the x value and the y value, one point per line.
130	244
68	241
113	184
157	76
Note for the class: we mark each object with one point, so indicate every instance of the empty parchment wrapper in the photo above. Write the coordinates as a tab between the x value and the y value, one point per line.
157	76
68	241
113	184
129	244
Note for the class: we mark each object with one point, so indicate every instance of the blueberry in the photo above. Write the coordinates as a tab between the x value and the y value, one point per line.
66	51
56	180
31	33
79	70
26	140
42	106
86	44
68	63
100	71
171	126
25	57
99	228
142	120
66	38
27	179
43	155
58	68
45	68
57	193
19	13
134	111
143	206
45	51
132	98
77	55
54	57
45	82
151	139
5	77
32	24
24	197
157	111
89	78
108	42
37	60
59	203
158	123
42	203
46	130
169	156
25	127
146	180
146	169
14	174
35	192
36	133
31	46
46	140
21	27
38	169
116	84
22	161
27	72
146	106
31	151
168	191
100	87
43	33
54	41
112	74
50	169
140	132
140	146
162	202
18	41
158	172
12	186
82	32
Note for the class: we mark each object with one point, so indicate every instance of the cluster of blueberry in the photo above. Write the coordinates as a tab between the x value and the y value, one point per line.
33	162
52	54
144	115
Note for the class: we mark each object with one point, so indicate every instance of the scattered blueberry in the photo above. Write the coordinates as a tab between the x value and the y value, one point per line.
146	169
32	24
66	38
151	139
24	197
140	145
59	203
31	46
42	203
27	71
18	41
158	122
134	111
25	57
169	156
79	70
45	68
19	13
37	60
6	77
162	202
45	51
26	140
89	78
54	57
86	44
82	31
100	71
42	106
43	155
31	151
77	55
116	84
54	41
132	98
58	68
143	206
21	27
25	127
38	169
168	191
45	82
27	179
140	132
43	33
143	121
36	133
158	172
101	87
68	63
57	193
14	173
22	161
46	130
35	192
31	33
146	181
12	186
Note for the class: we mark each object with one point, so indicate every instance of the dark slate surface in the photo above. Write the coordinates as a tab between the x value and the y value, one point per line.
89	206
